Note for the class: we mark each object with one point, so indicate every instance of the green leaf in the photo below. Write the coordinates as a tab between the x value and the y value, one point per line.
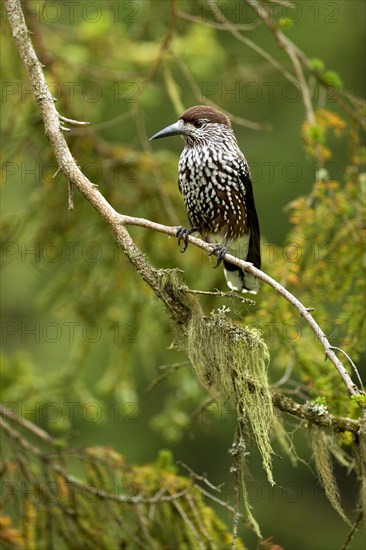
285	22
333	79
316	64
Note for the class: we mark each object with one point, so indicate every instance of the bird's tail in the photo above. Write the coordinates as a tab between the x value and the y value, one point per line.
245	248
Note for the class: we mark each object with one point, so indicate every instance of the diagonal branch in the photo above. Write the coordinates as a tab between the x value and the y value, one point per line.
70	169
304	312
175	305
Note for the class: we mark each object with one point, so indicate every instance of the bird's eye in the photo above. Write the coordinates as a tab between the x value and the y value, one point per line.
198	123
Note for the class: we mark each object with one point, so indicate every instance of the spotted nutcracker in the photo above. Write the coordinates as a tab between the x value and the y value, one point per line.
214	179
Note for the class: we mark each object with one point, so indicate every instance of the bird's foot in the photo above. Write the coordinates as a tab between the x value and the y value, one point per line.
220	251
183	234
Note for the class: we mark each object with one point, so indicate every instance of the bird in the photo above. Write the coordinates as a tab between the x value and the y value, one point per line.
215	181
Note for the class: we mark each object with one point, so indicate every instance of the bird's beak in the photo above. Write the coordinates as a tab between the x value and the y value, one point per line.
172	130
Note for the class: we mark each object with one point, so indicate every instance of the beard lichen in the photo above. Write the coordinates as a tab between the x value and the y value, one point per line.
231	363
322	445
360	467
284	440
325	446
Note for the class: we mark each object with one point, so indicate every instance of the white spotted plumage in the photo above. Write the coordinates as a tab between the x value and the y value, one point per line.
209	181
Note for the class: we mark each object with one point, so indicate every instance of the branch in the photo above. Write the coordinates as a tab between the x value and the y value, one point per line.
289	48
176	307
353	106
312	413
164	45
16	438
70	169
304	312
234	31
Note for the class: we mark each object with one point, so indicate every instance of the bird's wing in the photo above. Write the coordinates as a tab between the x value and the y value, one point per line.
180	187
246	187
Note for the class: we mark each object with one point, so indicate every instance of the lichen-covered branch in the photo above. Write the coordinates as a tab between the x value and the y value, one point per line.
315	414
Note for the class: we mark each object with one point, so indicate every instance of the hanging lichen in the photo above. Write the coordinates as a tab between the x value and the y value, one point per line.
360	467
321	445
232	362
284	440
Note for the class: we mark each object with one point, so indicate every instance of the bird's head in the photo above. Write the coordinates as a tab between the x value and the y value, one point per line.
196	125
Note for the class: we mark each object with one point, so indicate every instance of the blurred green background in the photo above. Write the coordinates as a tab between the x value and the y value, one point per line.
83	337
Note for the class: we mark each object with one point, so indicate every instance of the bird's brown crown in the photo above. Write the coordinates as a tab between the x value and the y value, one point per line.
203	112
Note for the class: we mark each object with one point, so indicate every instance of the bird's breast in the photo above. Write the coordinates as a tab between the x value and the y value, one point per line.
210	187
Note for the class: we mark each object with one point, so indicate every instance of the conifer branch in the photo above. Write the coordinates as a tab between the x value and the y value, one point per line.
72	480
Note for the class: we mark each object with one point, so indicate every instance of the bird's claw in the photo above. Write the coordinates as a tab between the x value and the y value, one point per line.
220	251
182	234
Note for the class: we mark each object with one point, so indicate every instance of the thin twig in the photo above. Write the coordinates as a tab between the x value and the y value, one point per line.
163	376
222	503
190	525
164	45
352	532
70	195
352	364
231	294
27	424
285	377
218	26
72	121
232	29
105	495
193	474
287	46
237	470
199	521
